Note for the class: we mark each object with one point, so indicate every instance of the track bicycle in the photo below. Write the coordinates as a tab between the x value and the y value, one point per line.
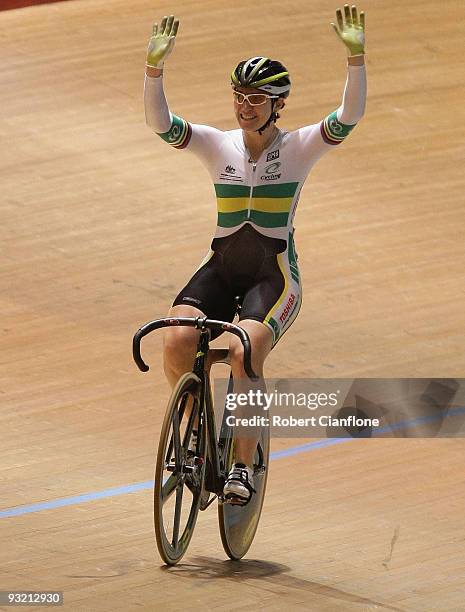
189	478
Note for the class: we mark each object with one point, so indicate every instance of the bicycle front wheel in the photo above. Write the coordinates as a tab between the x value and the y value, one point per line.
180	471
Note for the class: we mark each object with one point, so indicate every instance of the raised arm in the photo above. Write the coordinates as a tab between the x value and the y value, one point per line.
351	31
176	131
157	113
334	128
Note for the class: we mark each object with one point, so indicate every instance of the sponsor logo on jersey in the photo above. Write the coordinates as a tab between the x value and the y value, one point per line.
287	308
272	155
270	172
191	299
272	168
335	126
229	174
174	133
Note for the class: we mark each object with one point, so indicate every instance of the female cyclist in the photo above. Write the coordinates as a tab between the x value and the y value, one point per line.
258	171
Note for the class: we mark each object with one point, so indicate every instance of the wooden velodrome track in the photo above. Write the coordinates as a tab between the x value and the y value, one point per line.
101	224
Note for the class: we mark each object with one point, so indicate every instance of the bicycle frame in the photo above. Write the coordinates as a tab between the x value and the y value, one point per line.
216	473
237	521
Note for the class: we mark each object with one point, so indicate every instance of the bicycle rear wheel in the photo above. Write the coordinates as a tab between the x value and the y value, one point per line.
179	472
238	524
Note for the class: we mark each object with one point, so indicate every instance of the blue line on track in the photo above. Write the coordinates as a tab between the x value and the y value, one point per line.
76	499
148	484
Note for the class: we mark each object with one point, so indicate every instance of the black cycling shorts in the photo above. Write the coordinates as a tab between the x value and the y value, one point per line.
260	269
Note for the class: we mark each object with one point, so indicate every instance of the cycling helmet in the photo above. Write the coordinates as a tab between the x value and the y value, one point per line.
264	74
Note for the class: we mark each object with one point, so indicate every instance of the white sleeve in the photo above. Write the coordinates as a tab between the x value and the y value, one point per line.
157	113
202	140
352	108
316	139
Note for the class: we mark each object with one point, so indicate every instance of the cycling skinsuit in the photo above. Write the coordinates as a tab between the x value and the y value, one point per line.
253	253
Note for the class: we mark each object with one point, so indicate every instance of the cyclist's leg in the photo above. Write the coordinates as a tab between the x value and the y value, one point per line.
204	295
261	342
268	310
179	344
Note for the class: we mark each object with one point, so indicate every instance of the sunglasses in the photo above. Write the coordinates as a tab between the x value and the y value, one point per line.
252	99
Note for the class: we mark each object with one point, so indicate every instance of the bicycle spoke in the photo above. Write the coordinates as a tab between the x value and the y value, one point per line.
177	516
169	451
169	486
190	426
177	440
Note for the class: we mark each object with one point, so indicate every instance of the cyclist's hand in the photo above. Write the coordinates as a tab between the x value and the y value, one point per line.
351	29
161	42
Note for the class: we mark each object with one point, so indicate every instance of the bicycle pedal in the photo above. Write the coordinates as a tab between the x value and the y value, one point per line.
208	502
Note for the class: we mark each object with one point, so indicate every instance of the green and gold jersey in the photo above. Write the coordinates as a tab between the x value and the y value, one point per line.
265	192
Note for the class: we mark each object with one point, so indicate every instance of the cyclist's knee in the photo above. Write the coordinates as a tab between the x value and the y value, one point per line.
179	345
261	344
236	355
